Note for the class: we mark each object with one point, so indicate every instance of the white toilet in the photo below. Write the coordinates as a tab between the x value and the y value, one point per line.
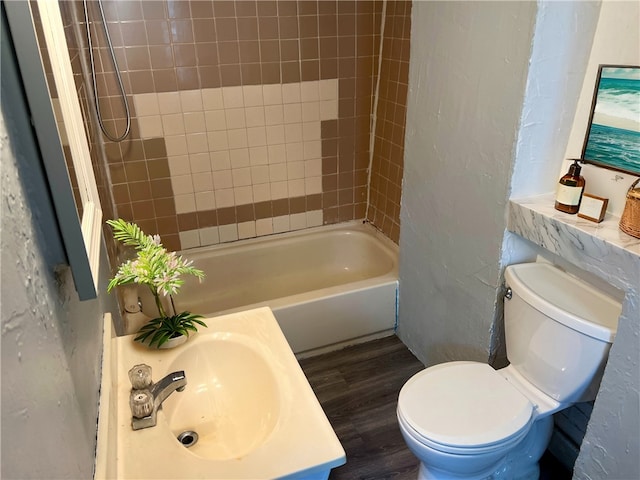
465	420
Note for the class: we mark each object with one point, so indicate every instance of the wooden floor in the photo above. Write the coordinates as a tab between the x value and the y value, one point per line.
358	389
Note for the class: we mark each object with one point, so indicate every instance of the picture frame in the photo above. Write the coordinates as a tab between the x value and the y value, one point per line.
613	135
593	208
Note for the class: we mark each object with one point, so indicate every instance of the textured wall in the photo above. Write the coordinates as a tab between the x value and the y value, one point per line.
465	97
51	342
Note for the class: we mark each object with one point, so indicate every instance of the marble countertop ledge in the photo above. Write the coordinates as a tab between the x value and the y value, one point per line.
525	214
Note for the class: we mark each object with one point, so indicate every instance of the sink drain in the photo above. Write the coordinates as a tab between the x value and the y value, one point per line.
188	438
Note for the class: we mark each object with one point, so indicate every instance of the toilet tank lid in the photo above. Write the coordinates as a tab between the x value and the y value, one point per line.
566	299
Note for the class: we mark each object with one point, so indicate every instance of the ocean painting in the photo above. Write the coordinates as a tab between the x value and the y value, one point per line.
613	138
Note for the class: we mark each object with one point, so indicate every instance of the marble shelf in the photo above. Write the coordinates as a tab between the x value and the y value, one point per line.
601	248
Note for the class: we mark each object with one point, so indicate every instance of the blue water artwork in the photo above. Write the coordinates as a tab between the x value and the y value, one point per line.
613	138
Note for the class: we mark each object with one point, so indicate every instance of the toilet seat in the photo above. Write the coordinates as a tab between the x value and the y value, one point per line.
464	407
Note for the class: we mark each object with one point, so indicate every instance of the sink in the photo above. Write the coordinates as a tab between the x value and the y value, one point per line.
232	400
246	398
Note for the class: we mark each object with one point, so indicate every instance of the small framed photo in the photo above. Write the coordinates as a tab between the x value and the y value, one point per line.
593	208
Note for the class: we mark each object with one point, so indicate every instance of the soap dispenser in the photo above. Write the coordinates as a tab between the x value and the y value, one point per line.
570	189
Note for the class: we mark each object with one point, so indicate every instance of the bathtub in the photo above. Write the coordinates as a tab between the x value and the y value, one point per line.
327	286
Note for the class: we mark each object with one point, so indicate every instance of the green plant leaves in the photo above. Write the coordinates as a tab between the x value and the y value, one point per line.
159	330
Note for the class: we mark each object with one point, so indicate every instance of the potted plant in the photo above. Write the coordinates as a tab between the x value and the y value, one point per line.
160	271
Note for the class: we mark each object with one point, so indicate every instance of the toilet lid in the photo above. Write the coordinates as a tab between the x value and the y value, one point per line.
466	404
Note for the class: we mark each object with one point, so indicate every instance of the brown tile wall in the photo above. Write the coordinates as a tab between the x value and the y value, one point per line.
386	174
178	45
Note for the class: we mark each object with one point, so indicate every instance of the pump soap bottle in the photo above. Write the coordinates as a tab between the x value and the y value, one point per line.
570	189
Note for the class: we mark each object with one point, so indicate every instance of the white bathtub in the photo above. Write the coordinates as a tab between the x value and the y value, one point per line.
327	286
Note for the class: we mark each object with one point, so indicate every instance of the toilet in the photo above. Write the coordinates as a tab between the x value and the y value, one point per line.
466	420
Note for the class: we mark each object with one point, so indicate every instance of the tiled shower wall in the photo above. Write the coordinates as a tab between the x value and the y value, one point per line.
249	117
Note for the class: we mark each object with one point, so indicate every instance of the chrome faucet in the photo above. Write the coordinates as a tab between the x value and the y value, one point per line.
146	397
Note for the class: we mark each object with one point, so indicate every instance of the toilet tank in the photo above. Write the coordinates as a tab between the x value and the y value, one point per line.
558	330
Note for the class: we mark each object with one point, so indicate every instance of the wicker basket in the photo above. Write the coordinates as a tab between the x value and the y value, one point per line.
630	220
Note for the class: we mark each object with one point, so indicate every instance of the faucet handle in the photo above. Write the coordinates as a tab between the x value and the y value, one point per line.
140	376
141	403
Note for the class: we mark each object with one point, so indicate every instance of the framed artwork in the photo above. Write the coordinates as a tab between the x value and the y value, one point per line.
613	135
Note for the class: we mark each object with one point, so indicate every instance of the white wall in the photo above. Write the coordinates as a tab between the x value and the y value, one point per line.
469	63
51	342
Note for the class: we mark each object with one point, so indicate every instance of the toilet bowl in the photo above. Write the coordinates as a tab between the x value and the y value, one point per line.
466	420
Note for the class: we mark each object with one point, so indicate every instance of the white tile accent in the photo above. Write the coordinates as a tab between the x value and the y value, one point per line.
218	141
256	136
194	122
241	177
205	201
259	174
224	198
295	170
209	236
185	203
191	101
146	104
297	221
228	233
189	239
261	192
169	102
278	172
293	132
312	185
150	127
281	224
310	91
314	218
246	230
212	99
176	145
179	165
239	158
272	94
291	93
232	97
237	138
235	118
274	114
264	226
243	195
202	182
312	149
234	145
275	134
253	95
200	162
222	179
295	151
215	120
296	187
279	190
182	184
220	160
292	113
197	143
173	124
255	116
258	155
277	154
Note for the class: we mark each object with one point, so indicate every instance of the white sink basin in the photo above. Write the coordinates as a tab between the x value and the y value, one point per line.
246	398
232	400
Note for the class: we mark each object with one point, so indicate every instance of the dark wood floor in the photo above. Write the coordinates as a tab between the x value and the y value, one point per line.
358	389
